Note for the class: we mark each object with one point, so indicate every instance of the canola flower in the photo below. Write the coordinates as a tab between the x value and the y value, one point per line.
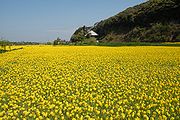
45	82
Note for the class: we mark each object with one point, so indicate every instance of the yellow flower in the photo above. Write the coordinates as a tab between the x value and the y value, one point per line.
44	114
123	115
137	118
25	113
103	111
2	114
111	111
66	82
106	105
52	113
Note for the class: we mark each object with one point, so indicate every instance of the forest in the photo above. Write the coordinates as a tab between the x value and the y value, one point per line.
152	21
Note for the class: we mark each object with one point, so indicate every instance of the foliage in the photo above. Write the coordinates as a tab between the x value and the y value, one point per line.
25	43
90	83
143	19
79	35
120	44
48	43
158	32
4	44
58	41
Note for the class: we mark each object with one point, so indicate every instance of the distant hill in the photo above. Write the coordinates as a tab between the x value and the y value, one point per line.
152	21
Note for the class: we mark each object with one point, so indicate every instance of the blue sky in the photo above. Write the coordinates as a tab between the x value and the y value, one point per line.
45	20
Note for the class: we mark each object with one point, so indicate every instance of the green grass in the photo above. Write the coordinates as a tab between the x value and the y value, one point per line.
3	51
116	44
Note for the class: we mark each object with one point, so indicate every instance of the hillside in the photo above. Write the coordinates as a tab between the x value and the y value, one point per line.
152	21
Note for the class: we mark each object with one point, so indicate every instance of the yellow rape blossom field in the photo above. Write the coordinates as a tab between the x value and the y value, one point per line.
90	82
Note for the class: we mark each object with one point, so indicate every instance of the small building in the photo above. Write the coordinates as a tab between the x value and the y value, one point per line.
91	33
91	36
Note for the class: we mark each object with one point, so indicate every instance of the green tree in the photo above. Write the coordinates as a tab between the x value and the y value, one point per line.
58	41
4	44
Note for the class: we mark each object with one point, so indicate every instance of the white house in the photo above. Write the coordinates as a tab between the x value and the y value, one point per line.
91	33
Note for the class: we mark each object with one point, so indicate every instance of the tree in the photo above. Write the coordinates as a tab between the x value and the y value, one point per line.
48	43
57	41
4	43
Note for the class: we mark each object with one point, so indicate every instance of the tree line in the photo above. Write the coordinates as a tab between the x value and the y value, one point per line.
4	44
